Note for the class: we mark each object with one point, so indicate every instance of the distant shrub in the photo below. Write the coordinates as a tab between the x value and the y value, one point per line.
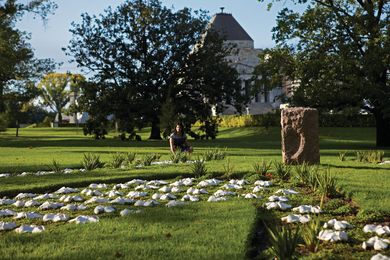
372	156
3	123
147	159
214	154
342	156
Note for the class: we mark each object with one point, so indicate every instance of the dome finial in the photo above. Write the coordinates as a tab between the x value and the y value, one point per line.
222	8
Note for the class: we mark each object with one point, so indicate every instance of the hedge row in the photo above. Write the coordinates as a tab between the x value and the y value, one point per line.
273	119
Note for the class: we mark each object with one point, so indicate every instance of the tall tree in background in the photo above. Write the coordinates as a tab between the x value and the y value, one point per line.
17	63
137	53
340	53
55	90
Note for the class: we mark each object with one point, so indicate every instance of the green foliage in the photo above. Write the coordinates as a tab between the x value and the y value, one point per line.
342	156
326	184
368	216
117	160
130	157
159	43
214	154
309	234
283	242
198	168
282	171
91	162
228	169
55	167
179	156
373	156
344	210
147	159
261	168
306	175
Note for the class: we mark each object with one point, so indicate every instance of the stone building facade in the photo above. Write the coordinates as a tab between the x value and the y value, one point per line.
244	59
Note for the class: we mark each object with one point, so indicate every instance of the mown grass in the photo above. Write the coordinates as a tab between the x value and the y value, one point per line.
198	231
37	147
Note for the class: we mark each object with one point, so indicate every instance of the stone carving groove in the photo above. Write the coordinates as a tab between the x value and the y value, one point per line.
300	135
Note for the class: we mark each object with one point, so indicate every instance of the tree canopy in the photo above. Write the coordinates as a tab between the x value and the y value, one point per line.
141	55
339	52
18	67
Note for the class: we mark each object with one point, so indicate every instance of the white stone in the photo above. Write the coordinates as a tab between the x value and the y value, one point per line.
377	243
142	203
50	205
127	212
28	215
136	182
210	182
30	229
114	193
292	218
239	182
122	201
216	199
146	187
90	192
6	201
5	175
157	182
175	189
277	205
74	207
46	196
378	229
380	257
120	186
263	183
66	190
307	209
7	213
168	196
188	197
137	194
21	196
19	203
337	225
174	203
67	198
332	236
223	193
258	189
277	198
84	219
195	191
7	225
229	186
98	186
97	200
251	196
286	192
165	189
55	217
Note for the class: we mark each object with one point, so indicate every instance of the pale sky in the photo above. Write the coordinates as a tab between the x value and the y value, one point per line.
47	40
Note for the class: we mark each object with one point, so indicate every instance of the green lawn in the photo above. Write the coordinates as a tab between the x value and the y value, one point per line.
201	230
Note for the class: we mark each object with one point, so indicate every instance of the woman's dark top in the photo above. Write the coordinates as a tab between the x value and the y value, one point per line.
178	140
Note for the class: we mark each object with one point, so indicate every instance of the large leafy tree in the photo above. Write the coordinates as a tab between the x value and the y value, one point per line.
18	67
55	90
138	53
339	51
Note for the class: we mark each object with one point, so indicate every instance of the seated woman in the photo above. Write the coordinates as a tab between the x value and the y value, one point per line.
178	140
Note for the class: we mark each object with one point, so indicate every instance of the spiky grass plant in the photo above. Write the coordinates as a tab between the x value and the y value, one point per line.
327	185
117	160
228	169
282	171
306	174
283	242
130	157
342	156
91	162
309	234
261	168
199	168
55	167
179	157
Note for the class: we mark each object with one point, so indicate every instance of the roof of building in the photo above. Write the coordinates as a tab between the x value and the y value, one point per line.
228	27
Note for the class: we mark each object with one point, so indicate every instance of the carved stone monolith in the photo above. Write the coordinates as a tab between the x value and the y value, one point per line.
300	135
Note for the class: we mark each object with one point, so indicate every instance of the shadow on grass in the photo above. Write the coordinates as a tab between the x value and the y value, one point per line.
356	167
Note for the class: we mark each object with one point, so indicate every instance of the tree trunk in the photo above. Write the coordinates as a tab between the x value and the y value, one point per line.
382	130
155	132
59	118
2	107
17	128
